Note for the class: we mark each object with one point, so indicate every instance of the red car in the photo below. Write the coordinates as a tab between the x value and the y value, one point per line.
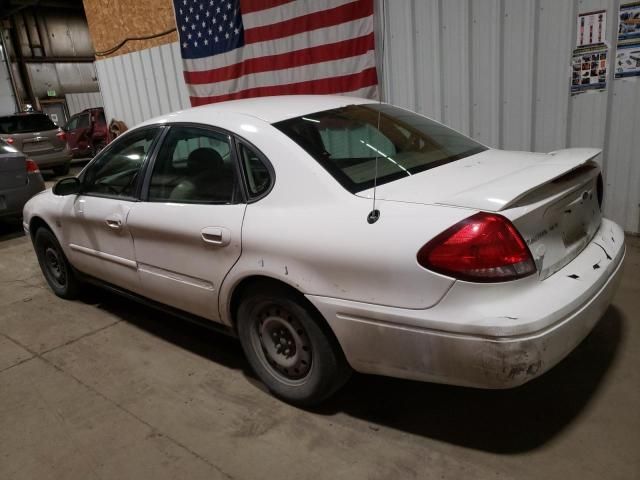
87	132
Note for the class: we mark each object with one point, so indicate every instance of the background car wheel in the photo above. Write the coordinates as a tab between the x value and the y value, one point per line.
289	346
61	170
97	148
55	266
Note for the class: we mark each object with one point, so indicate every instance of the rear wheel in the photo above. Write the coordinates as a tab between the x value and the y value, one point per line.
61	170
54	265
288	346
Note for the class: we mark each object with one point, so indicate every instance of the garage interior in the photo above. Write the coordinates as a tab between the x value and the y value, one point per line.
104	387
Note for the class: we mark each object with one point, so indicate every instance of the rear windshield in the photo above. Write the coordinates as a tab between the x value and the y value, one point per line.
36	122
351	140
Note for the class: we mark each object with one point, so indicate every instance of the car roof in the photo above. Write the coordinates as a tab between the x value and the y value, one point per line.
267	109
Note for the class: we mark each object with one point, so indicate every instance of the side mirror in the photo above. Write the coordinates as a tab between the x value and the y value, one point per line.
67	186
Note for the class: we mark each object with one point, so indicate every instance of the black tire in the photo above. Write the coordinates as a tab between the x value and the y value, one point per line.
54	265
97	148
296	334
61	170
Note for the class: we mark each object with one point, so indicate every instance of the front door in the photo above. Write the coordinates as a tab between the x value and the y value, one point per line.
187	228
94	223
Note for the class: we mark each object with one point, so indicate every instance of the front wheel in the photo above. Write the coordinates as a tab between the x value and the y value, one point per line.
54	265
289	346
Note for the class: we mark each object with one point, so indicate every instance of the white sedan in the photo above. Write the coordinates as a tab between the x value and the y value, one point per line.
333	234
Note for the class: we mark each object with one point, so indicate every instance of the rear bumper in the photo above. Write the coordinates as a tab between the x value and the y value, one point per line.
12	201
55	159
484	336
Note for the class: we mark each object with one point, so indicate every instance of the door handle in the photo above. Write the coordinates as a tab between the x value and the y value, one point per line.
114	222
218	236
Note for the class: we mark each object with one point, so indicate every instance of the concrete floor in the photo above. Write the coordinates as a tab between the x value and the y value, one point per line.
105	388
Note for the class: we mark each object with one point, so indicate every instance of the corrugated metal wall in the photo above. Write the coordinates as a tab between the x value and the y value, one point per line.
76	102
141	85
497	70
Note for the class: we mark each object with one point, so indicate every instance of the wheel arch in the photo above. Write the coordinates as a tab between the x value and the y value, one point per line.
242	286
36	223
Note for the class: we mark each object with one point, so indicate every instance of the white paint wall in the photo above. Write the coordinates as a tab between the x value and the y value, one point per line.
141	85
497	70
76	102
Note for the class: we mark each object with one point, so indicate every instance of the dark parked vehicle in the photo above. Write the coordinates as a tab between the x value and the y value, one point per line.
35	135
87	132
20	180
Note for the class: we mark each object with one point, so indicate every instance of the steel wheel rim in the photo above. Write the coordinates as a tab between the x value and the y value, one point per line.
282	343
55	266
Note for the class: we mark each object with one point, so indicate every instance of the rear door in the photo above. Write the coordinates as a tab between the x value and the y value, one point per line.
187	228
72	133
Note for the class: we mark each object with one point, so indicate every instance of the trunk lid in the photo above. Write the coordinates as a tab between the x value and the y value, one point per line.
552	199
492	180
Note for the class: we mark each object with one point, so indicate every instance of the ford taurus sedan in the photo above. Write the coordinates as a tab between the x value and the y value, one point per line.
333	234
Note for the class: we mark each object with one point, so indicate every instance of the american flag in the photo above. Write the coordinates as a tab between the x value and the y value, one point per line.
251	48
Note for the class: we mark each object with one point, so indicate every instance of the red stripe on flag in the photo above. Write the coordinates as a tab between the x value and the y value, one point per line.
312	21
250	6
324	86
305	56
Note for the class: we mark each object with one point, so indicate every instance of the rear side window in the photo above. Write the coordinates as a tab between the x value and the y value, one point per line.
29	123
256	171
356	142
193	165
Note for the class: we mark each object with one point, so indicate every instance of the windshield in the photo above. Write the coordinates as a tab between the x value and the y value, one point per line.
28	123
348	140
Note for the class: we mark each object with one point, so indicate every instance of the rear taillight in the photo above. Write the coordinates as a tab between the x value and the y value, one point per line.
482	248
62	135
9	140
32	167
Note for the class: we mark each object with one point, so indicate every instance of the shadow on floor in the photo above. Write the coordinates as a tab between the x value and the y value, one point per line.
500	421
10	228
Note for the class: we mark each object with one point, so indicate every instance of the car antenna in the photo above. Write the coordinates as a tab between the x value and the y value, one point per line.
374	214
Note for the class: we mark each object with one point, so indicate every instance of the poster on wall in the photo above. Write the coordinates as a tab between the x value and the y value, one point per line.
591	28
627	61
629	22
589	70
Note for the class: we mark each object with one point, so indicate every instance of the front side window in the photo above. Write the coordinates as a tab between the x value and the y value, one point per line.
73	123
116	172
356	141
194	165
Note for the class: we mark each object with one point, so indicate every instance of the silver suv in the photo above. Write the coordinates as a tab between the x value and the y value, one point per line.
35	135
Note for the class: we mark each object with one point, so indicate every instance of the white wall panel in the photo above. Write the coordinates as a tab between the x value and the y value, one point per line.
76	102
141	85
499	70
496	69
